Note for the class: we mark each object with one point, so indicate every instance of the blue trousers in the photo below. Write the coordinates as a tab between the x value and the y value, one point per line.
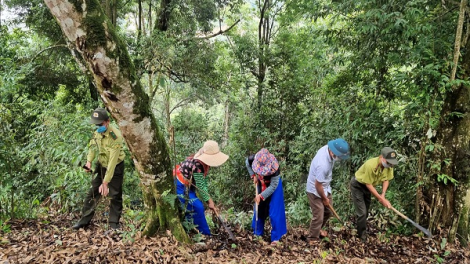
277	215
194	209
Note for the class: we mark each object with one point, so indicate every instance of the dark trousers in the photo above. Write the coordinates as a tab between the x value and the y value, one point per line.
115	193
320	213
361	200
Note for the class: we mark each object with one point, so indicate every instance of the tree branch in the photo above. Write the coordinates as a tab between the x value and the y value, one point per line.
181	103
48	48
220	31
458	38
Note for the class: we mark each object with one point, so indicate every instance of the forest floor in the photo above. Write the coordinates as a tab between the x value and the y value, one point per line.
52	240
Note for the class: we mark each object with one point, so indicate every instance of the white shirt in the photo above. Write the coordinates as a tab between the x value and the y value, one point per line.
321	170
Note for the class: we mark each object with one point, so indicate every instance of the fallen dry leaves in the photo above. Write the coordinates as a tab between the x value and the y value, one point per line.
37	241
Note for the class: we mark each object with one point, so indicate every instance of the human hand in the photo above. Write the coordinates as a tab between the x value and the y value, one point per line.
255	179
211	205
326	202
103	189
87	166
258	198
386	203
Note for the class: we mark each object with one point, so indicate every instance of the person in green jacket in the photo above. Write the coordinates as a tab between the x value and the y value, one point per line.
107	145
375	171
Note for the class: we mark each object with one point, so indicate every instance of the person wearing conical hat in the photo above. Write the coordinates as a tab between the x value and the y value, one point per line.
318	185
375	171
191	175
263	168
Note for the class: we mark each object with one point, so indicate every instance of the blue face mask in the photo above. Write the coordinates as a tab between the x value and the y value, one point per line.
101	129
385	164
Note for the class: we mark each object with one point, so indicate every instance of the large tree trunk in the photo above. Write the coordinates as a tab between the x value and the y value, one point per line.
450	202
449	206
86	26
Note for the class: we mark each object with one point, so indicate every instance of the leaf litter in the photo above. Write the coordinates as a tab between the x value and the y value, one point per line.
53	241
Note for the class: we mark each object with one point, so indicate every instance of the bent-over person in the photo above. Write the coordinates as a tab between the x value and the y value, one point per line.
375	171
318	185
263	168
191	175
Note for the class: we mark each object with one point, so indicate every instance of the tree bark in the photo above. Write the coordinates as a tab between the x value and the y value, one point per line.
452	155
163	16
85	25
458	38
110	9
226	123
449	207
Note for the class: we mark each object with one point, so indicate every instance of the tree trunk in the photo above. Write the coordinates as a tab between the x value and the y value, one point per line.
452	160
449	207
264	37
110	9
85	25
226	123
163	16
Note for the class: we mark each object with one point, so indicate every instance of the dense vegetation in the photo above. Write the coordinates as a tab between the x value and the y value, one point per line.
288	76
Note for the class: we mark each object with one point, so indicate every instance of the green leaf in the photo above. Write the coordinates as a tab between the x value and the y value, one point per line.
443	243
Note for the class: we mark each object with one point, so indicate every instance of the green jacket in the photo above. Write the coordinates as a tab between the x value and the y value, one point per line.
372	173
110	146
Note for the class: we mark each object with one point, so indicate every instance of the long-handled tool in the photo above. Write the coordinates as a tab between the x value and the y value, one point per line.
334	212
229	232
256	208
424	230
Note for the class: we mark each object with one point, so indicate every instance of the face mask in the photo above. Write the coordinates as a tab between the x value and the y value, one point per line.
385	164
101	129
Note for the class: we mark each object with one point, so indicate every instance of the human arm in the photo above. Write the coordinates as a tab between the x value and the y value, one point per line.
384	188
112	162
321	192
272	187
211	205
113	159
201	183
91	154
379	197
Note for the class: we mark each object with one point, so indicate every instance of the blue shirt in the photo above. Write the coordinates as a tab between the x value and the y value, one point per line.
321	170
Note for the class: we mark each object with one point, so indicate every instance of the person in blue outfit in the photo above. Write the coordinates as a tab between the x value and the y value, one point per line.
191	175
264	170
319	185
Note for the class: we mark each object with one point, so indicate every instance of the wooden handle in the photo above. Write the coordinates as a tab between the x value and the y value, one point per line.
256	204
334	212
398	213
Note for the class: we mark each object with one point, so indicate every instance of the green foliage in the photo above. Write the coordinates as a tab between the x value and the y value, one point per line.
242	219
373	72
298	212
4	227
133	219
169	198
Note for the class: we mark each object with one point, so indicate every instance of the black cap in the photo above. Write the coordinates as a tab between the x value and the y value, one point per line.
389	155
98	116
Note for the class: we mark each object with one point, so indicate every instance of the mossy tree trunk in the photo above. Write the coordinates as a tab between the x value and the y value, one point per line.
448	206
89	31
449	202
